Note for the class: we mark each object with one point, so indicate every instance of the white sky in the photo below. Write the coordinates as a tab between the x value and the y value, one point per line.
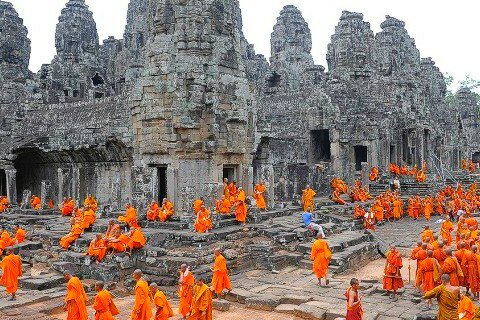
446	30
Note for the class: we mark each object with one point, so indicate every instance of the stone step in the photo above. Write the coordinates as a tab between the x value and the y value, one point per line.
338	242
42	282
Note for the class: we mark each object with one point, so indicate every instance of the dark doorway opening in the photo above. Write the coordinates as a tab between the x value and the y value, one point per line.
320	145
162	183
360	156
476	157
3	183
229	173
393	155
97	80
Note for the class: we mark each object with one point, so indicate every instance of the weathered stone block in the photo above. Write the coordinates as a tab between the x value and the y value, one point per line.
310	312
286	308
294	299
262	302
221	305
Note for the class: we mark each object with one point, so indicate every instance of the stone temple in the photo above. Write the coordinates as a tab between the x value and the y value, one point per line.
183	101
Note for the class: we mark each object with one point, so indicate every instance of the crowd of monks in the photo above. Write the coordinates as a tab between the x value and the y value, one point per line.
418	175
468	166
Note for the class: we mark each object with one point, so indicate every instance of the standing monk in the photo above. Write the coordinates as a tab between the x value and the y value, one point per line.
392	280
307	198
446	231
202	302
448	297
452	268
35	202
321	256
220	280
258	192
397	208
20	235
142	310
354	303
241	206
163	309
105	308
185	290
469	263
75	300
430	273
11	267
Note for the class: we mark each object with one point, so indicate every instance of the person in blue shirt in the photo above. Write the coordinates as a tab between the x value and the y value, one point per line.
309	224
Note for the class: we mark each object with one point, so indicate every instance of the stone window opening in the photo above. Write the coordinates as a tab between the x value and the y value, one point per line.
3	182
98	95
274	80
320	145
76	93
162	183
97	80
65	92
360	156
229	172
393	154
476	157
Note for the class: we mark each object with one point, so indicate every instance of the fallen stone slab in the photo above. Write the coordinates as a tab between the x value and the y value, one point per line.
310	312
263	302
238	295
286	308
221	305
425	316
41	283
28	245
294	299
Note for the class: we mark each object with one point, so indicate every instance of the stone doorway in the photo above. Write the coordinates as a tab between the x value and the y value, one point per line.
393	154
476	157
320	145
162	183
229	172
3	183
360	156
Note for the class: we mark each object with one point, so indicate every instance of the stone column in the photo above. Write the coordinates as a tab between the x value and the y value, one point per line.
76	184
60	178
247	179
11	175
45	193
269	177
365	173
420	147
172	177
116	193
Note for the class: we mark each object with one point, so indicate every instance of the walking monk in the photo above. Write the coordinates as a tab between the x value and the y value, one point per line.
469	263
220	280
258	192
466	308
392	280
11	267
430	273
142	310
75	300
446	231
354	303
452	268
185	290
307	198
202	302
241	206
163	309
447	296
321	256
103	305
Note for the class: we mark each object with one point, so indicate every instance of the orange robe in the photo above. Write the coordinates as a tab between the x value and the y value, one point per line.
373	174
232	190
67	207
6	241
427	234
397	209
377	210
130	217
74	234
153	212
51	204
446	232
321	256
469	263
419	256
166	212
392	279
220	280
459	254
185	292
3	204
104	306
76	300
91	202
142	309
428	208
258	196
202	302
353	312
307	199
223	206
11	267
20	235
336	197
466	307
452	267
203	222
440	256
35	202
89	218
430	274
97	248
241	207
197	205
137	240
161	301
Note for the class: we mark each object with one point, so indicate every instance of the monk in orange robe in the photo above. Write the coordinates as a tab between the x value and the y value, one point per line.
51	204
89	217
223	206
75	232
105	308
421	177
75	300
354	304
440	254
11	267
130	217
185	290
35	202
413	254
452	267
258	192
420	256
392	280
427	233
321	256
167	210
198	203
117	241
153	211
373	174
397	208
20	235
203	222
416	207
163	309
459	254
469	263
226	191
466	308
440	204
220	280
307	199
6	241
142	310
97	248
135	239
91	202
241	206
430	273
428	207
336	197
4	203
377	210
446	231
202	302
232	190
67	207
358	212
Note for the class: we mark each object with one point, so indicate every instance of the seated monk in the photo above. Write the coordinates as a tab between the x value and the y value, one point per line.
97	248
4	203
203	222
223	206
358	212
421	177
167	210
67	206
89	217
258	192
374	174
198	203
136	239
116	241
112	227
130	217
153	211
35	202
75	232
91	202
5	241
51	204
336	198
20	235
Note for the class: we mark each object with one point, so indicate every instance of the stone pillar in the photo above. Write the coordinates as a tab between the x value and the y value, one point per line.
172	178
60	178
420	147
45	193
11	175
247	179
269	177
116	193
365	173
76	184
